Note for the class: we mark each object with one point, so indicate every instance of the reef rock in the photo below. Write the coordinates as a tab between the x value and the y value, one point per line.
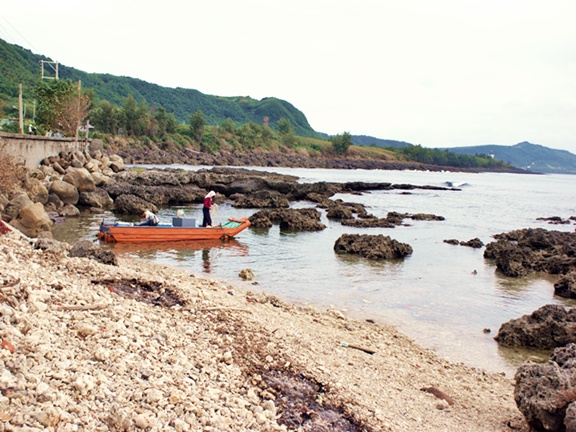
288	219
566	286
545	393
371	246
521	251
548	327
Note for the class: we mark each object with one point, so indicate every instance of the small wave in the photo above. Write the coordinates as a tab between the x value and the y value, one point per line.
455	184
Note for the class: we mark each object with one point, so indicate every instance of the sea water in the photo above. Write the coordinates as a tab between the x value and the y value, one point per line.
447	298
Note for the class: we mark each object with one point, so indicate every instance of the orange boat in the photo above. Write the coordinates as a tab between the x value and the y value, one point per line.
127	233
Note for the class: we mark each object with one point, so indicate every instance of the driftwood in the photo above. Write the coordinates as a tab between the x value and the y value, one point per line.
366	350
225	309
439	394
83	307
10	284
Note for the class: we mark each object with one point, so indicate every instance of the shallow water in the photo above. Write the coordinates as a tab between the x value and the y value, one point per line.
443	296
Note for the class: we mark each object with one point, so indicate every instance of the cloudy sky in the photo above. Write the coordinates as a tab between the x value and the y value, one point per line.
440	73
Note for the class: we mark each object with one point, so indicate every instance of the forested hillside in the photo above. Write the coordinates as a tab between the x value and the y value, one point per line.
129	112
525	155
365	140
21	66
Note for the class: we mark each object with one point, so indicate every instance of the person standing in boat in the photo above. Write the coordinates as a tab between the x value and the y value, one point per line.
150	219
208	203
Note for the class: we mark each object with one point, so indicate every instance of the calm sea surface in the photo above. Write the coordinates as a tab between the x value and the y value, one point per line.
442	296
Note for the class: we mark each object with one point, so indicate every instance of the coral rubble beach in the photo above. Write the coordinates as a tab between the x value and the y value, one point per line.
140	346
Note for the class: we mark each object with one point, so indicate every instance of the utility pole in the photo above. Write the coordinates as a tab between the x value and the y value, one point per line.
53	65
78	113
20	116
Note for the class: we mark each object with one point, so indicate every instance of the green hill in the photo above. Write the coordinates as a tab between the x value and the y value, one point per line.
20	66
525	155
365	140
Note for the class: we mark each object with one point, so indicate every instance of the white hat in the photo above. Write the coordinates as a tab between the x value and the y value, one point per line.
210	194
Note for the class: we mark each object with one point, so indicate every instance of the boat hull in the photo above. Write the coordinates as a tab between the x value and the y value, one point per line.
155	234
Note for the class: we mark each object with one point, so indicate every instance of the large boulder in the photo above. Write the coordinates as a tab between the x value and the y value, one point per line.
93	166
87	249
81	179
58	168
80	156
69	211
131	204
100	179
65	191
36	190
55	201
98	199
545	393
548	327
371	246
32	220
12	208
116	163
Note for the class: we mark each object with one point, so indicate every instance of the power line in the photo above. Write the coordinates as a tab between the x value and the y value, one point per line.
19	34
4	33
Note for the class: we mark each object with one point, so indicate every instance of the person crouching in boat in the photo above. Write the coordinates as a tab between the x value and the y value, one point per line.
150	219
208	203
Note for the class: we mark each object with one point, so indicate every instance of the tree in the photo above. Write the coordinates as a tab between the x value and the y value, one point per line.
286	132
227	125
197	123
61	106
284	126
135	118
341	143
106	118
171	123
161	118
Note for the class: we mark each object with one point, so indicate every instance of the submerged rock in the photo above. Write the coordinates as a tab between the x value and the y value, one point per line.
566	286
288	219
371	246
548	327
521	251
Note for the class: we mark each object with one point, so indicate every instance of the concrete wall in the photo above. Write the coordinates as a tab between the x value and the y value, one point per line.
34	148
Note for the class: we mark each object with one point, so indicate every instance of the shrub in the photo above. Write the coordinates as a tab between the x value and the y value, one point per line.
12	173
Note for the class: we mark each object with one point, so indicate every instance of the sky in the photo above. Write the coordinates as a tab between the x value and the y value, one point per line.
439	73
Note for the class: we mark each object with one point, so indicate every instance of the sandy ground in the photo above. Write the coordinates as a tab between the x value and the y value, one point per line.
87	346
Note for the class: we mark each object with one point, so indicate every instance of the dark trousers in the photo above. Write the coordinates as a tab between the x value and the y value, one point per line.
207	217
147	222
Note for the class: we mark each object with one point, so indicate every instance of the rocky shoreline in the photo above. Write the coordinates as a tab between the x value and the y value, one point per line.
313	384
155	155
138	346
